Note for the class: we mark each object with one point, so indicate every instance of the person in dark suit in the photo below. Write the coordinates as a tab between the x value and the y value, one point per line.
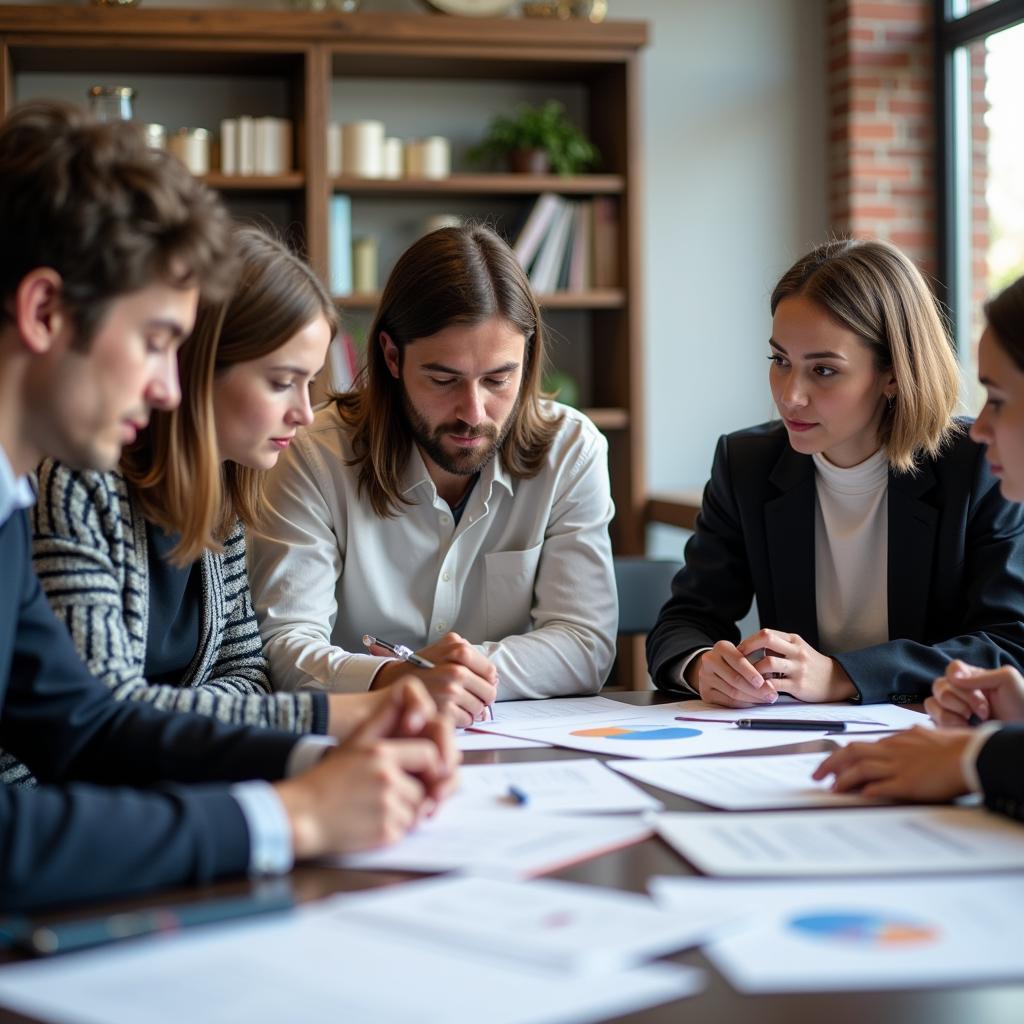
974	749
107	246
866	522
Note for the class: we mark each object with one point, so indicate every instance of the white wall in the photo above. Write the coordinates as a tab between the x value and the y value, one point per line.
736	178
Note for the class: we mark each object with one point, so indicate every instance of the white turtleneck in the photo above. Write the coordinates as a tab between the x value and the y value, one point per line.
851	554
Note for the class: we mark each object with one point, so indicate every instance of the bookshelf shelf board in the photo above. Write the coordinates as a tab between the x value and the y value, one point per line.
255	182
606	298
608	419
484	185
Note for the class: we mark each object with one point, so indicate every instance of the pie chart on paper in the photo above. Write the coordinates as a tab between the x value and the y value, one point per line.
862	929
639	732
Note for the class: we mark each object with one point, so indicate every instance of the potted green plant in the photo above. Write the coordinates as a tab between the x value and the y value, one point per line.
535	139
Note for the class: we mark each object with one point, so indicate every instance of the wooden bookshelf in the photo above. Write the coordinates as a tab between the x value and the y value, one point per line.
308	58
605	298
485	185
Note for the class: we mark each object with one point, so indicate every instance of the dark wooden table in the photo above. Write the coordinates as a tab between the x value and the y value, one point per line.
630	869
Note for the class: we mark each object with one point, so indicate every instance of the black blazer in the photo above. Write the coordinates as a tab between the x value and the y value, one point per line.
1001	771
955	575
61	842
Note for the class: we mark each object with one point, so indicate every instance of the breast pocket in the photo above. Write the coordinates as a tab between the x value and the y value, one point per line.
510	581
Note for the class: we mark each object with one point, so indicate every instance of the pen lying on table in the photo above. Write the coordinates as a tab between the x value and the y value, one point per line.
804	724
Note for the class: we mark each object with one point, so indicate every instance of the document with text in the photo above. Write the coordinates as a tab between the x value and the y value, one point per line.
510	843
566	786
560	925
743	783
858	841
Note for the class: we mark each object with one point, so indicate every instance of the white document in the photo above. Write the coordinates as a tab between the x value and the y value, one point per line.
843	936
856	717
743	783
316	967
649	732
509	843
466	740
551	786
559	925
557	709
882	841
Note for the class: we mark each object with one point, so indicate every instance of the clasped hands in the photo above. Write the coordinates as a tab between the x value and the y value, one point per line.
725	675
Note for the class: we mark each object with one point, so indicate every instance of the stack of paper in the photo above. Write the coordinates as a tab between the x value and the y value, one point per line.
320	967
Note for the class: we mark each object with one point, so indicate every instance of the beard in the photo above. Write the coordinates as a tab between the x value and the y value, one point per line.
459	462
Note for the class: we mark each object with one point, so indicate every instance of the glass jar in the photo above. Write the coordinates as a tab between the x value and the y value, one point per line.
111	102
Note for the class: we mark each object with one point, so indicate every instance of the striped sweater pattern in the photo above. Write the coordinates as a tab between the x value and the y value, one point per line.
90	552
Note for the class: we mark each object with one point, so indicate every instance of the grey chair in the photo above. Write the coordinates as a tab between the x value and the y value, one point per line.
643	585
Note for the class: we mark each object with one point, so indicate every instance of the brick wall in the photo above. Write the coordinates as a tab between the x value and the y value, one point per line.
882	137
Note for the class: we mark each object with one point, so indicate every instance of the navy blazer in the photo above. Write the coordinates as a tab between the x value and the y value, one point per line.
61	842
955	572
1001	771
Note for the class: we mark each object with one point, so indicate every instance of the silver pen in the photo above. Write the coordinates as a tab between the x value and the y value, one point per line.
398	650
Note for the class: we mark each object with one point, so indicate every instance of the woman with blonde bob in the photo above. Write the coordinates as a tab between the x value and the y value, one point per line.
865	522
146	566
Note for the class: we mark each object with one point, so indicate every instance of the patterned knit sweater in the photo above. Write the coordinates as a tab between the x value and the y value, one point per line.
90	552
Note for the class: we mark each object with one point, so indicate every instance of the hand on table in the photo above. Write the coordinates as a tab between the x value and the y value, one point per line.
918	765
463	681
986	693
393	770
724	676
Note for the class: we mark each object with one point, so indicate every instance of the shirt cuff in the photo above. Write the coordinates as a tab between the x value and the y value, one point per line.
306	752
969	758
270	834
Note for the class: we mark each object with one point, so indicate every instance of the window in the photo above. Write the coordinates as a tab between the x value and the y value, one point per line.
981	54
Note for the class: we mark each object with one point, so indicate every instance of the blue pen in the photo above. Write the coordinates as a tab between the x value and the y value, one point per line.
518	796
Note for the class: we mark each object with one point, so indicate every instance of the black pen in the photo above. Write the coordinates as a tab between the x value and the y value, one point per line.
805	724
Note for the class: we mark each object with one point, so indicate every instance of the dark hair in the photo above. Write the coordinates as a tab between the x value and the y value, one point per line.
175	468
108	213
869	287
458	275
1005	315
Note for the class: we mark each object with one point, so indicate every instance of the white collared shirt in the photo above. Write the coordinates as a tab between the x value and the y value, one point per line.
15	492
526	575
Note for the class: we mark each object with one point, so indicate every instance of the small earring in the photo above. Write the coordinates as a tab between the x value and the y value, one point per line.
891	399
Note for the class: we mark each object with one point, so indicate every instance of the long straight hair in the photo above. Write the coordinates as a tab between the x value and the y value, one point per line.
174	469
458	275
872	289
